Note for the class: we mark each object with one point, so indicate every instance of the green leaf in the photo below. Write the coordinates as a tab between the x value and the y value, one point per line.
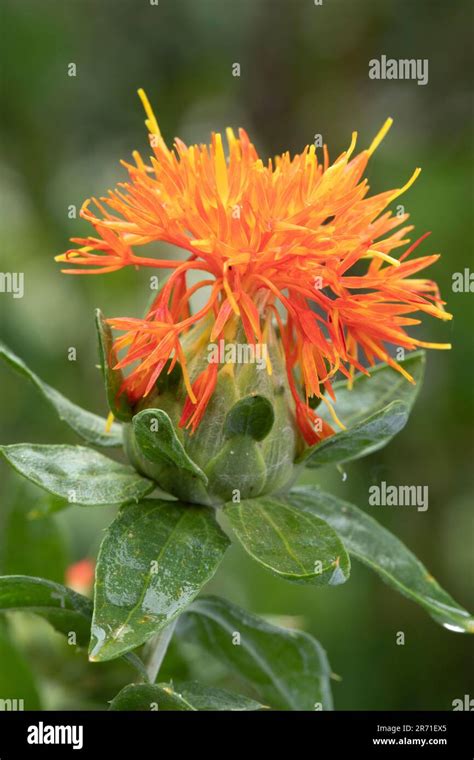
154	559
18	690
158	442
118	404
377	548
76	473
362	439
63	608
89	426
374	411
292	544
288	668
29	545
184	696
251	416
372	393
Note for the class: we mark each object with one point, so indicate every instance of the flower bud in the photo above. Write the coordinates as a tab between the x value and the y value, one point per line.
247	440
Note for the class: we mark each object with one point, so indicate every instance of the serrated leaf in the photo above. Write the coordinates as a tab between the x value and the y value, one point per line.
113	378
154	559
89	426
76	473
291	544
252	415
361	439
288	668
158	442
380	550
190	696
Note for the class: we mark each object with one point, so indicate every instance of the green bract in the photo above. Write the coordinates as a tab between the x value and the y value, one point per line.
245	446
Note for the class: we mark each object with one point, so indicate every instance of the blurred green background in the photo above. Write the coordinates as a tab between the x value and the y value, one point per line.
304	70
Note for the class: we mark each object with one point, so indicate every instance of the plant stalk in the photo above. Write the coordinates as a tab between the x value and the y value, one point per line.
157	649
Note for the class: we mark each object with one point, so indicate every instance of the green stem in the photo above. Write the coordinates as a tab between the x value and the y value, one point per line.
157	648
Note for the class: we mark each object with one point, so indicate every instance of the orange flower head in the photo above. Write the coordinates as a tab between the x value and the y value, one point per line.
293	244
